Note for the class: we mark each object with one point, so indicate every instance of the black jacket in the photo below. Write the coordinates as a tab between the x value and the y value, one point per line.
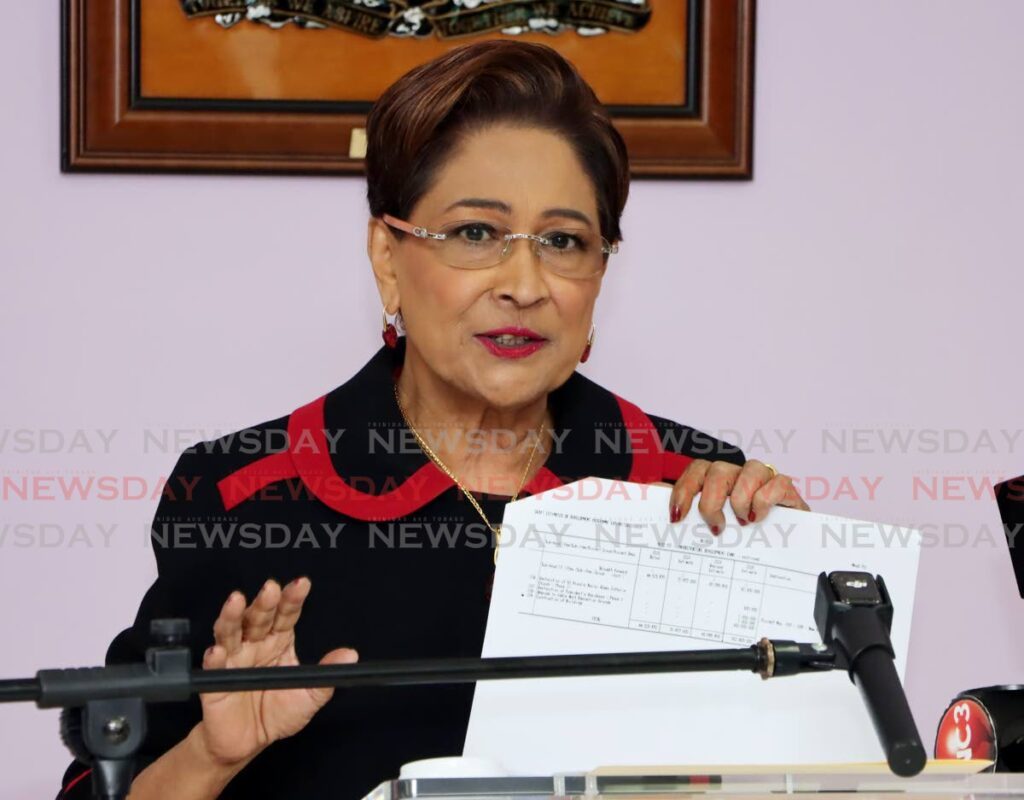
338	491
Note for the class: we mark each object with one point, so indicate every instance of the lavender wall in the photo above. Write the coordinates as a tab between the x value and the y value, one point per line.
867	280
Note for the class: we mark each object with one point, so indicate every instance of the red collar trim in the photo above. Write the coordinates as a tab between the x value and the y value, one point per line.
312	458
309	459
244	483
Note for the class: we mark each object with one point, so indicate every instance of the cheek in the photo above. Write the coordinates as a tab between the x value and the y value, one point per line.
576	306
435	294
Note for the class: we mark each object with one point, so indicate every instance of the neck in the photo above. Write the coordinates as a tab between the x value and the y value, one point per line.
488	448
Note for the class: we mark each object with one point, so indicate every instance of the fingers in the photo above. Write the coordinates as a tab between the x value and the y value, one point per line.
227	630
259	617
275	610
779	491
751	489
718	484
227	638
754	475
686	488
215	657
343	655
290	607
713	481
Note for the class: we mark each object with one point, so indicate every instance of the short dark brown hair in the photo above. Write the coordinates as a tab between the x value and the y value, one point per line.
418	121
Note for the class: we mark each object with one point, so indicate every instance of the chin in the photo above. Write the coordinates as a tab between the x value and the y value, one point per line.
510	390
511	398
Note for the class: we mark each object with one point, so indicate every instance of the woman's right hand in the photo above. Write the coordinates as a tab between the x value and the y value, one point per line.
236	726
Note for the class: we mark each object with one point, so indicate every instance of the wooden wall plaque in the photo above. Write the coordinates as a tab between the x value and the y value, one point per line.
220	86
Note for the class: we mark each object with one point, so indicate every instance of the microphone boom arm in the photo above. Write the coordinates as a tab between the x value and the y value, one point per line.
104	719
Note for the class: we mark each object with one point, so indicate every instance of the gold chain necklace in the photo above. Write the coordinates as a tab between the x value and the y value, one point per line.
495	529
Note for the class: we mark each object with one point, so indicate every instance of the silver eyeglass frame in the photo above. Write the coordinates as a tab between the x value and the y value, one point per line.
607	248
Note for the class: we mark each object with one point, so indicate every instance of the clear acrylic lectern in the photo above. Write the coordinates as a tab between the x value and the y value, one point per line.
622	786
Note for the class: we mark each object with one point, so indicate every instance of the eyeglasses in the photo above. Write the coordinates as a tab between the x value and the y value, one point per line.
476	244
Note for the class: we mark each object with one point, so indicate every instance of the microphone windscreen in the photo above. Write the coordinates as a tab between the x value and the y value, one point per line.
1010	498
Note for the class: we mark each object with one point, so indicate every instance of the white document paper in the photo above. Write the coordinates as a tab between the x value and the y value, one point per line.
596	567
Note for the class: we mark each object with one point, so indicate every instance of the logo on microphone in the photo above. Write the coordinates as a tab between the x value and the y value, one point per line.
966	731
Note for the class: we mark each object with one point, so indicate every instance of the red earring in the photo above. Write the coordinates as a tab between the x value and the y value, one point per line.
590	344
390	332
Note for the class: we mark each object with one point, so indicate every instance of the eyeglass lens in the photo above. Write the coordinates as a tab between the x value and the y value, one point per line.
474	244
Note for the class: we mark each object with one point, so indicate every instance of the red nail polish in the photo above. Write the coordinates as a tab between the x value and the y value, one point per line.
742	521
675	514
714	529
752	516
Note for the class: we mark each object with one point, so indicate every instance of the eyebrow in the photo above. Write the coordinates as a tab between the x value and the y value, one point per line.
505	208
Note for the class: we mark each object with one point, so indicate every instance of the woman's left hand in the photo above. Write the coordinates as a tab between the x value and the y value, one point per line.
752	489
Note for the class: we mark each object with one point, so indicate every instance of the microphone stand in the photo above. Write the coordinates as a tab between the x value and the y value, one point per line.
103	721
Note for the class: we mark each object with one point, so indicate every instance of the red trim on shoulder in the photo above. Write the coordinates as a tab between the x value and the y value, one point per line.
650	462
75	781
247	481
312	459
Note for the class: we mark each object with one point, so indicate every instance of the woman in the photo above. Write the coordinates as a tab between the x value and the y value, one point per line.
487	145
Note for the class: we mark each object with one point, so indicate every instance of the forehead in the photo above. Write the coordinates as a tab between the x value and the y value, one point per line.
528	168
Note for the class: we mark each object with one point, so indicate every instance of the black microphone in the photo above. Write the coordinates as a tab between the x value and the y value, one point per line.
854	615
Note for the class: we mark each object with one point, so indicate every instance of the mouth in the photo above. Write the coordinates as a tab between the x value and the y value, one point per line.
511	342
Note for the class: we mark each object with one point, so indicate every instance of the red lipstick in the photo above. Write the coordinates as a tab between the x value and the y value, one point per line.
511	342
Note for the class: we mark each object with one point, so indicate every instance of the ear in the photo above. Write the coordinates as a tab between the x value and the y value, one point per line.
380	249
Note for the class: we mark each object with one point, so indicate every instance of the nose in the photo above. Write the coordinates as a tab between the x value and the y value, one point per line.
521	276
